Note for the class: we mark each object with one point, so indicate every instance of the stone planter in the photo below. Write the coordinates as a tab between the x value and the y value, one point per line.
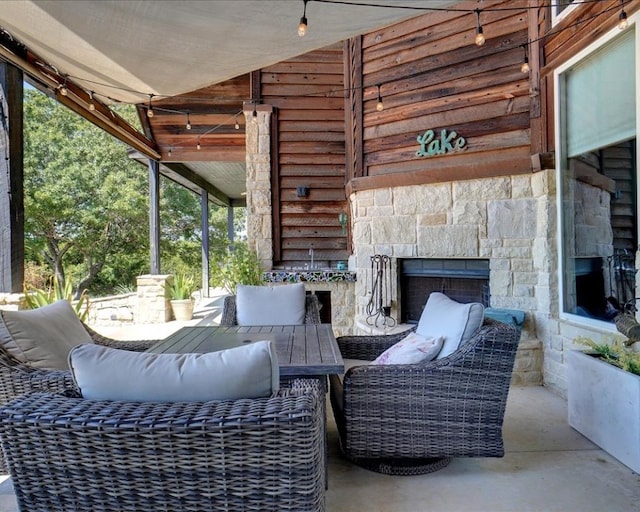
604	406
182	309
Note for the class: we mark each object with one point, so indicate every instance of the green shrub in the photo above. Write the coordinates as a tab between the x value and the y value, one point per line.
38	297
615	353
240	266
181	287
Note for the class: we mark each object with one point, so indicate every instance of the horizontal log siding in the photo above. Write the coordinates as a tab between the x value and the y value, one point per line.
433	76
308	92
581	27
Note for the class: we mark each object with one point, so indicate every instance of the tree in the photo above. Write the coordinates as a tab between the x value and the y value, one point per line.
85	199
86	205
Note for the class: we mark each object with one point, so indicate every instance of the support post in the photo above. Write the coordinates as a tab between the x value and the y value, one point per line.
231	233
154	215
204	207
11	180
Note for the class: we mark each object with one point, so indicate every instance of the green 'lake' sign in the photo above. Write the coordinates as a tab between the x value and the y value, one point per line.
448	142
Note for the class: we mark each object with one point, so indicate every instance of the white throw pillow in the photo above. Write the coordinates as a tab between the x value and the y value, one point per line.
42	338
270	305
104	373
454	321
412	349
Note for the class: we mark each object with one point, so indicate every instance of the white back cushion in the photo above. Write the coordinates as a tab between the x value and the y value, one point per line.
454	321
270	305
42	338
104	373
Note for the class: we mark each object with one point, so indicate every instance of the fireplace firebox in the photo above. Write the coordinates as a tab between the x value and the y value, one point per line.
464	280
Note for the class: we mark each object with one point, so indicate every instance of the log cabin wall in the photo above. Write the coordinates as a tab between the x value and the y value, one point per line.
308	157
433	77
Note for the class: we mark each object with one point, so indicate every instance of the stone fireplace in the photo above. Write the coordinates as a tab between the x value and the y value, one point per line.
484	240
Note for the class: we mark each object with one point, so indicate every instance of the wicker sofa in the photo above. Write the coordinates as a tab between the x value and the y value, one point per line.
411	419
312	310
261	454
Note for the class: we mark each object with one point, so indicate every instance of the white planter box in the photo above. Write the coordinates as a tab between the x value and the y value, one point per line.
604	406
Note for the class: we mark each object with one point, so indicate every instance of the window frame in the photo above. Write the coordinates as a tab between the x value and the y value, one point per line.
561	159
557	17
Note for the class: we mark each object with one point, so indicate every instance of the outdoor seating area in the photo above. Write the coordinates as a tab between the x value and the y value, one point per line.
285	449
364	257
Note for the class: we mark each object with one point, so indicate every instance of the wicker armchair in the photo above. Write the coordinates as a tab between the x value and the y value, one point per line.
411	419
312	314
17	379
261	454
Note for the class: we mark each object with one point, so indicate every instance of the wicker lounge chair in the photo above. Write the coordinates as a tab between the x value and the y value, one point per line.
261	454
17	378
312	315
411	419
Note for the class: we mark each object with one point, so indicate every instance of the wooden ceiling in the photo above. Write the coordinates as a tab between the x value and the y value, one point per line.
212	113
201	134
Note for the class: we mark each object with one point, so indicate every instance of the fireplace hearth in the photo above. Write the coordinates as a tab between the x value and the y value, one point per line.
464	280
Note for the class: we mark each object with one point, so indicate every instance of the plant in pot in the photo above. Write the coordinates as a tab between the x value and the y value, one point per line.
238	266
604	396
180	289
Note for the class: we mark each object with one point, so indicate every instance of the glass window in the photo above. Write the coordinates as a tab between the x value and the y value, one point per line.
598	159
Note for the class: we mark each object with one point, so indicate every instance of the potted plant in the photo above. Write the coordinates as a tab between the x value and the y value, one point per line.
604	397
180	289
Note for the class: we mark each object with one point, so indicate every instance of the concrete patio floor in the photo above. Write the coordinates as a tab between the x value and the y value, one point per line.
548	466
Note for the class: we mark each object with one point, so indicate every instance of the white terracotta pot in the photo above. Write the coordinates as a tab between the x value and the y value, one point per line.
182	309
604	406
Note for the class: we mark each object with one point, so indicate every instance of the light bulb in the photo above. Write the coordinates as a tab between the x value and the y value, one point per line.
188	123
525	67
237	125
379	105
302	28
169	152
92	105
64	91
198	146
479	32
150	111
623	22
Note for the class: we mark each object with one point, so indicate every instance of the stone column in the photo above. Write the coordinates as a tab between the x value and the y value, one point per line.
153	305
259	208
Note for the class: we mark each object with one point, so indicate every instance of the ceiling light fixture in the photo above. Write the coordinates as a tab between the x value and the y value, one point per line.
92	105
302	28
237	125
379	105
188	122
198	146
525	68
480	39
